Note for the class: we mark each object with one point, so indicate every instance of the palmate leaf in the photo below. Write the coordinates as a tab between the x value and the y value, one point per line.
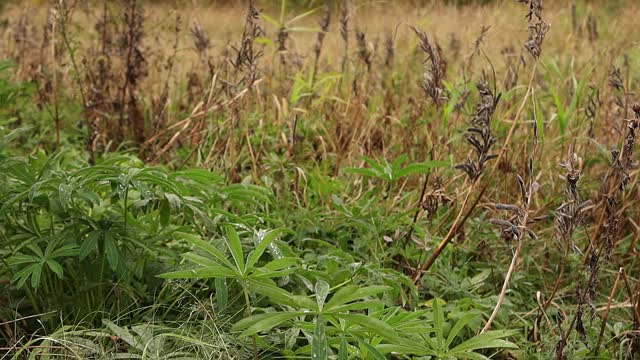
12	200
381	169
322	290
263	322
20	259
206	272
352	293
343	352
375	353
56	268
394	170
406	347
39	260
460	324
406	321
420	168
123	334
438	323
19	170
208	248
278	295
65	193
371	324
43	187
270	20
319	346
89	244
222	292
196	175
282	263
396	164
358	305
65	250
262	246
240	194
200	260
276	268
262	273
174	201
471	356
155	177
96	172
304	29
36	273
111	250
21	277
235	246
36	250
301	16
362	171
491	339
488	340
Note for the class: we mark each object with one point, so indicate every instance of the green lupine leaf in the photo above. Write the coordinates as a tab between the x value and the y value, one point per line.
459	325
372	324
262	246
207	272
263	322
111	250
35	276
375	353
319	346
235	246
56	268
352	293
488	340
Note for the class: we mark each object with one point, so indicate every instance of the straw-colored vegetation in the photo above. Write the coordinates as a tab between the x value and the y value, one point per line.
326	180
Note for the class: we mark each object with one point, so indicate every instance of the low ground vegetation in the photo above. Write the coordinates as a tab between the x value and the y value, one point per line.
324	180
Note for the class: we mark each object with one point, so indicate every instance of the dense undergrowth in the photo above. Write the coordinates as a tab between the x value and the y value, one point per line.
324	183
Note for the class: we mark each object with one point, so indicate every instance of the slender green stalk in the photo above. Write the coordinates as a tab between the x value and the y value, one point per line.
247	301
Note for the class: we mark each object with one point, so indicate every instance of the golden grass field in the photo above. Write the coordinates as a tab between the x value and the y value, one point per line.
468	171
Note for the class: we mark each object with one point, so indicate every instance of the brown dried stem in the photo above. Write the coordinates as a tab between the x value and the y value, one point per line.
460	218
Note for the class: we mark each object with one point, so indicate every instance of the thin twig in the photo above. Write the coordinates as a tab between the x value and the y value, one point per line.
505	286
606	313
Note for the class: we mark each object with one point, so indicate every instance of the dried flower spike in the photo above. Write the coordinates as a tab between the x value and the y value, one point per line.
434	75
479	135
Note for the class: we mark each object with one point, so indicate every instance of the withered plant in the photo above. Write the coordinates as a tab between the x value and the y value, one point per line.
129	48
344	31
479	135
607	230
324	29
363	51
246	56
435	72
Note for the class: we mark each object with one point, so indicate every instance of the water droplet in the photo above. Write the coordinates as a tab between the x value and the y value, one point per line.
65	190
123	185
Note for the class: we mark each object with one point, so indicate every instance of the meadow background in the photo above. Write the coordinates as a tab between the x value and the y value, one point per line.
319	179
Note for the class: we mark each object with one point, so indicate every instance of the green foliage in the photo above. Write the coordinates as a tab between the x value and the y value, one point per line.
286	25
78	233
301	230
11	92
394	171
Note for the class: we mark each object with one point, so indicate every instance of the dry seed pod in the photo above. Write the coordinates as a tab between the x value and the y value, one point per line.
480	136
434	75
200	38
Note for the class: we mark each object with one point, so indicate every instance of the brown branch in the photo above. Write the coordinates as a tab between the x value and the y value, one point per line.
606	313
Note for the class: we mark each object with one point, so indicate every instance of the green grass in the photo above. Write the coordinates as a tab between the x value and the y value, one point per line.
268	214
